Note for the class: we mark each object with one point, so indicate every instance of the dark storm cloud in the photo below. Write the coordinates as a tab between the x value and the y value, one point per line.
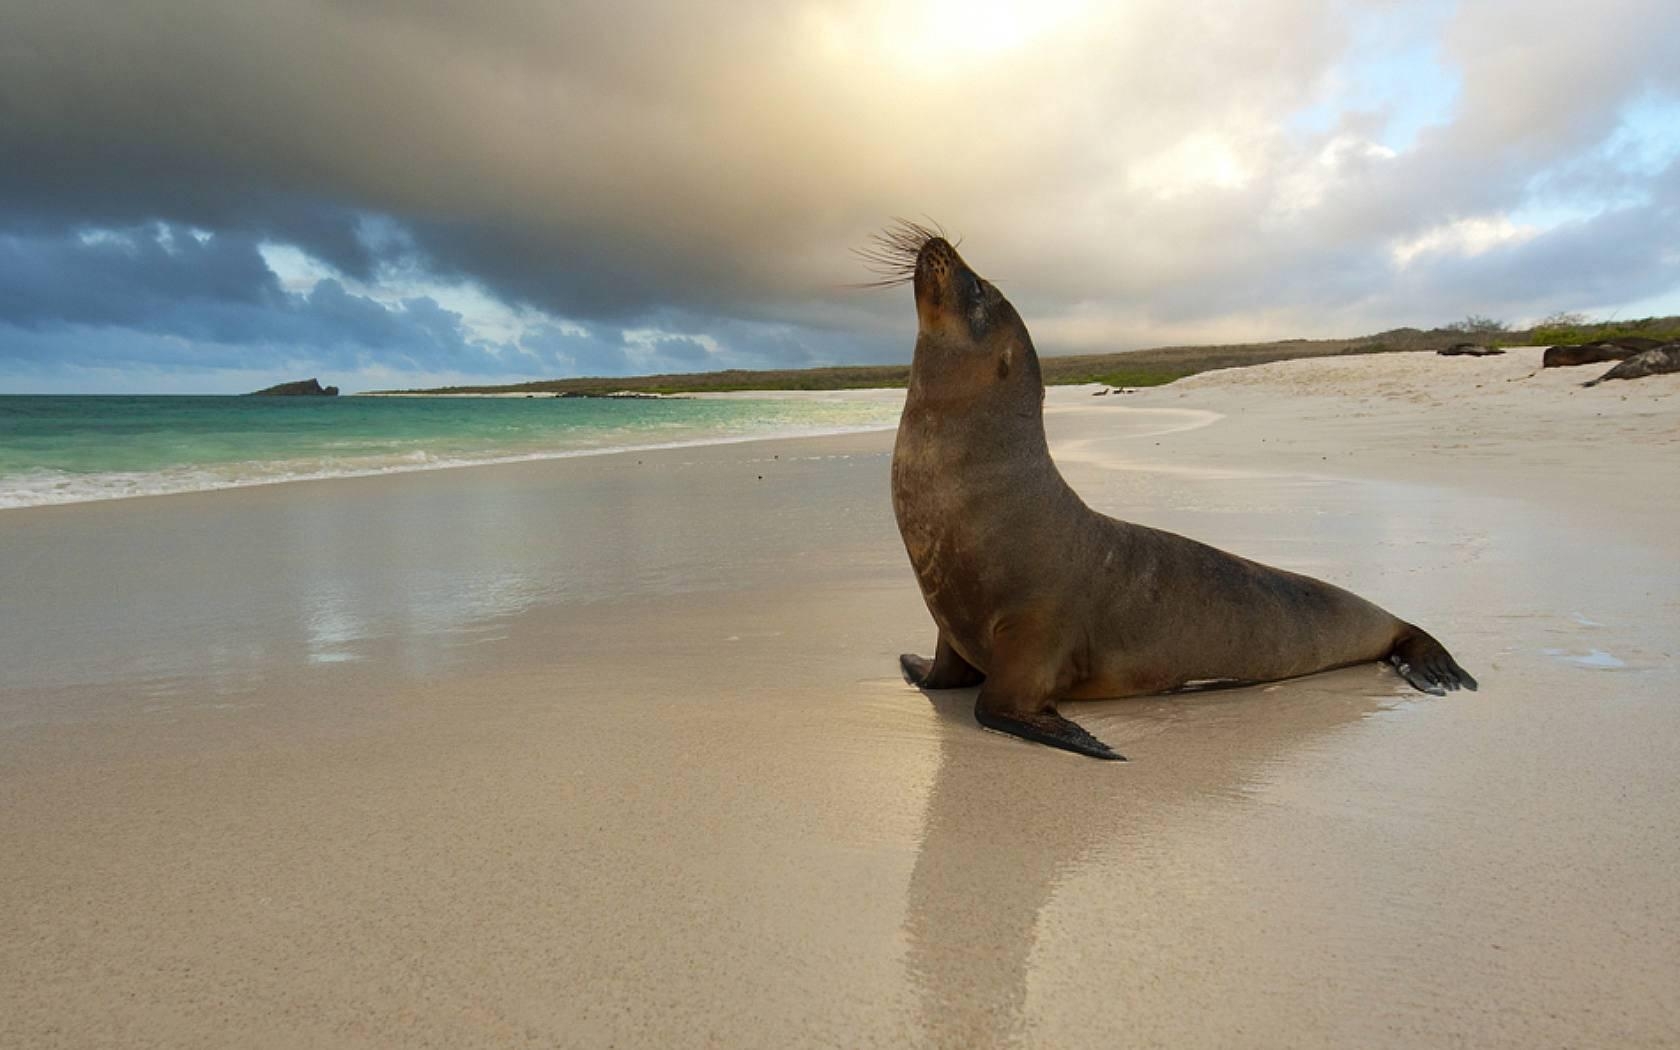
83	291
545	151
330	232
1129	172
577	352
135	277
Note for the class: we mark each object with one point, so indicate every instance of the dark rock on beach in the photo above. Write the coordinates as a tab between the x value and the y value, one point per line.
301	388
1469	350
1661	361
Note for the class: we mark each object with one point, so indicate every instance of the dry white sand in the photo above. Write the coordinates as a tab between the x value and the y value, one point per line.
614	751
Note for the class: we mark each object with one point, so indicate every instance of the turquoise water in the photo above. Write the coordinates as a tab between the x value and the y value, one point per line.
69	449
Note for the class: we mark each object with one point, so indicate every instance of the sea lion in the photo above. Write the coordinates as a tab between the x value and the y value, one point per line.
1661	361
1037	597
1618	349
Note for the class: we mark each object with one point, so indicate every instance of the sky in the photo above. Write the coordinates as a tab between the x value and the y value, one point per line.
207	196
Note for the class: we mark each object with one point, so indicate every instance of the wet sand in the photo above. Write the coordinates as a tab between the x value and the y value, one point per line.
614	751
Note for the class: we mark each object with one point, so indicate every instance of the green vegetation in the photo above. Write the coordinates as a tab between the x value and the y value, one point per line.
1131	368
1125	377
1582	332
1568	328
1476	324
838	378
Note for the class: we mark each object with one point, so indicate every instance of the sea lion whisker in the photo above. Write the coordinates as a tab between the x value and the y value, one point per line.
892	252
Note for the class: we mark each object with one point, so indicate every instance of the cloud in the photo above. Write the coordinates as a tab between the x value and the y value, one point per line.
1465	237
1617	256
1131	173
160	294
134	277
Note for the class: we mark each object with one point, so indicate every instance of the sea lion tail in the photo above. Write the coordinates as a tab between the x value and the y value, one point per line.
1427	665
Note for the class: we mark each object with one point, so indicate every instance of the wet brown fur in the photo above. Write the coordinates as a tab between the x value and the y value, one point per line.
1041	598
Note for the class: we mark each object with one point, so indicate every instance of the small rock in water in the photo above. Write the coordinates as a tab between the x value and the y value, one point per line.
301	388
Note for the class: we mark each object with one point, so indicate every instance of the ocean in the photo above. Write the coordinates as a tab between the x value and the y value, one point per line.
72	449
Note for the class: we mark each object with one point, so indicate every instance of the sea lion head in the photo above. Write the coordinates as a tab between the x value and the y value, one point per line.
968	334
951	299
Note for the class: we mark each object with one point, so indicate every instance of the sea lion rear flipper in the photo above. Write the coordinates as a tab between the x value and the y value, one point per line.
1427	665
946	670
1045	727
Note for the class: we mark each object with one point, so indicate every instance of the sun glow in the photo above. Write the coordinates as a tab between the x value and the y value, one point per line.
975	28
937	37
1202	161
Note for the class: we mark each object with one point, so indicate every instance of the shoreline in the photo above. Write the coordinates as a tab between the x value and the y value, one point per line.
622	395
1277	377
190	483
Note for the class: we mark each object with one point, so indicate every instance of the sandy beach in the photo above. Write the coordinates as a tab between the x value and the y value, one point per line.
614	751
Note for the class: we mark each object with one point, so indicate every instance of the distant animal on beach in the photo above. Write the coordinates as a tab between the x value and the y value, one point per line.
1661	361
1618	349
1470	350
1038	598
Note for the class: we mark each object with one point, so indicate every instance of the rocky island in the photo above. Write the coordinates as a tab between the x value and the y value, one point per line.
301	388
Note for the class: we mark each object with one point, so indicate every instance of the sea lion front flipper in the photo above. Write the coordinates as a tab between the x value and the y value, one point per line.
946	670
1027	673
1044	727
1426	664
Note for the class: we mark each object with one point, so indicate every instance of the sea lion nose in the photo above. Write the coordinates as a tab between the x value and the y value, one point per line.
935	258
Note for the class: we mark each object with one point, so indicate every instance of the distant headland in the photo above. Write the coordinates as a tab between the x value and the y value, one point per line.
1130	368
301	388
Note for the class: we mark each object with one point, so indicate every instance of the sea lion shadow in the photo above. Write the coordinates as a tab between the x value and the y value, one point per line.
1008	822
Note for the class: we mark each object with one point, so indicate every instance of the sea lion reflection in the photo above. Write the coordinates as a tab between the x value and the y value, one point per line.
1007	826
